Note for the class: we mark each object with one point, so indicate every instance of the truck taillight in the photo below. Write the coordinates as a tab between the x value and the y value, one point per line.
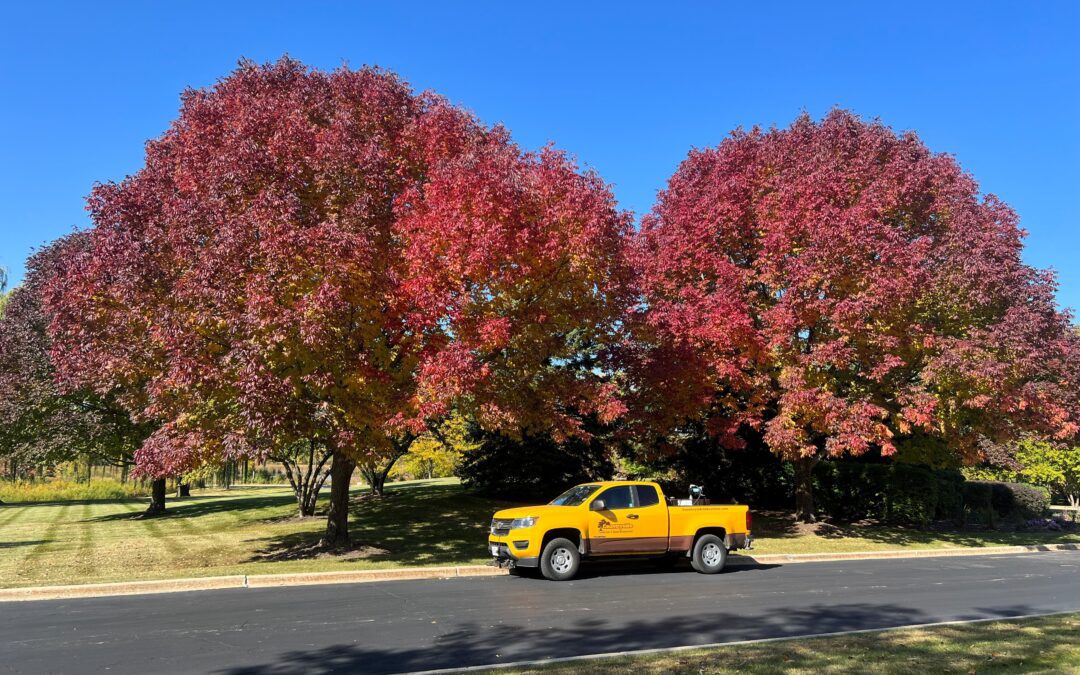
749	520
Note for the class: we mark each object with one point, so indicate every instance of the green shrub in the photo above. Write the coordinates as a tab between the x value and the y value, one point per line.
978	507
950	495
534	467
1017	501
851	490
911	495
64	491
266	476
903	494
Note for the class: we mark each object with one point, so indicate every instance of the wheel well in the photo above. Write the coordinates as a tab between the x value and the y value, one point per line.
566	532
718	531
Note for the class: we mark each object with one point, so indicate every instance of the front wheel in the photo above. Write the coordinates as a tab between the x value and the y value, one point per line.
710	554
560	560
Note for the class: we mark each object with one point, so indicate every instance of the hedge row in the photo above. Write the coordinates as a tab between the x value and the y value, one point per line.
915	495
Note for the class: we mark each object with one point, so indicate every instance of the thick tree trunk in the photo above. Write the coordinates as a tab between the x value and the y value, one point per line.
182	489
337	516
804	489
157	497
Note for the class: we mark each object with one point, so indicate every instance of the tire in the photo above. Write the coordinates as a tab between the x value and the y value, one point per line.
710	554
560	560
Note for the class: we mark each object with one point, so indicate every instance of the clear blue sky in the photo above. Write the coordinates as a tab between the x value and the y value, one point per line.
627	88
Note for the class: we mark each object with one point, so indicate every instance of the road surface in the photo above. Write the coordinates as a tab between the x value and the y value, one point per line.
416	625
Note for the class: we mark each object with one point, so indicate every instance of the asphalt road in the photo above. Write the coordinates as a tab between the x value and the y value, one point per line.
416	625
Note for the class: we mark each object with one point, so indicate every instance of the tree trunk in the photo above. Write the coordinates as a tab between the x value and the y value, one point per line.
182	489
804	488
376	477
307	483
157	497
337	516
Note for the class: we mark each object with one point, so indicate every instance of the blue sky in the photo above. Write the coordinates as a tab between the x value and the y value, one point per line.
627	88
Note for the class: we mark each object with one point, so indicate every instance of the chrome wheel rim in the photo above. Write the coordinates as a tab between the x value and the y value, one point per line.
561	560
711	555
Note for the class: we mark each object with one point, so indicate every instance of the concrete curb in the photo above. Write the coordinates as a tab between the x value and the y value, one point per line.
366	576
782	558
403	574
121	588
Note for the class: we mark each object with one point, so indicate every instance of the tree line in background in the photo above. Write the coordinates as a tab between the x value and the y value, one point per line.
328	270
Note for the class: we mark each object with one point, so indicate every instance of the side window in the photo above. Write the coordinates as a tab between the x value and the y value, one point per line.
647	495
617	498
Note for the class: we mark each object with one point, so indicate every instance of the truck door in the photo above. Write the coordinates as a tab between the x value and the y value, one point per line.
652	519
624	525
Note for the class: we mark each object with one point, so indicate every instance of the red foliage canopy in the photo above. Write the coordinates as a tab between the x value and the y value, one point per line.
329	256
843	288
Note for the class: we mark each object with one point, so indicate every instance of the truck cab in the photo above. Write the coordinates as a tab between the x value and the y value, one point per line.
617	519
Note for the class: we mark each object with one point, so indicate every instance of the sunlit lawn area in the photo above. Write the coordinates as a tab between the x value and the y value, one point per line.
1043	645
253	530
247	530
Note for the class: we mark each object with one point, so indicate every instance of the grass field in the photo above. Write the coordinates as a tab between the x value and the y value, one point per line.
253	530
1042	645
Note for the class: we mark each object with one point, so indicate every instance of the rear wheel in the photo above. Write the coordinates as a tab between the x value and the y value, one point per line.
560	560
710	554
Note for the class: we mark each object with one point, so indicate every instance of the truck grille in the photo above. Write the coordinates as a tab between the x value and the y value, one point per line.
500	527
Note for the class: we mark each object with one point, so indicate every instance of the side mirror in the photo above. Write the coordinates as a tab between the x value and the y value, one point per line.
597	505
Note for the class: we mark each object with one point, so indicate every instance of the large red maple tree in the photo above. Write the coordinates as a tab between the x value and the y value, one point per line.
332	258
841	288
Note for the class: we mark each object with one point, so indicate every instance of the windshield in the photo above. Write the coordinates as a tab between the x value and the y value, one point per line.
575	495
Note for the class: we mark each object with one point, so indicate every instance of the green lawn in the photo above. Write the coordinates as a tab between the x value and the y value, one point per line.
248	530
253	530
1043	645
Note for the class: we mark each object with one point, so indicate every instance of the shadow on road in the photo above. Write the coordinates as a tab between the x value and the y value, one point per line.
480	643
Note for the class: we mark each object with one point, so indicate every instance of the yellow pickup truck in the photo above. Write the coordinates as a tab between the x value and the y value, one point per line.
615	519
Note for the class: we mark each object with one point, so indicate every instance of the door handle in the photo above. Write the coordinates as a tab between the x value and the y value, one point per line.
633	516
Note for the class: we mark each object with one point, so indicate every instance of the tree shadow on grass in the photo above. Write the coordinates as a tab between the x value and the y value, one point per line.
17	544
419	523
193	507
482	643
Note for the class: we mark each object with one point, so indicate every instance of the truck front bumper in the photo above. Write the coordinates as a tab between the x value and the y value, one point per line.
504	554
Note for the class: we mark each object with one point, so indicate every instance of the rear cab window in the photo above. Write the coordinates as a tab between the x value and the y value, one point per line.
646	496
618	497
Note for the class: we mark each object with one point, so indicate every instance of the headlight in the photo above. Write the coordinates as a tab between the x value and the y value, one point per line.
522	523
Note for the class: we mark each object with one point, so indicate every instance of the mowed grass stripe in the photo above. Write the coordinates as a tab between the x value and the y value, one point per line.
158	534
16	513
86	562
49	541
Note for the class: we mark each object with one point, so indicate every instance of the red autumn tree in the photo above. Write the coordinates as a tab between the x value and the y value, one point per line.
329	258
842	289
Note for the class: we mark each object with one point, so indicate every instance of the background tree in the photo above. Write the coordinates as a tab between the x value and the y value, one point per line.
438	452
42	424
842	288
331	258
3	289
